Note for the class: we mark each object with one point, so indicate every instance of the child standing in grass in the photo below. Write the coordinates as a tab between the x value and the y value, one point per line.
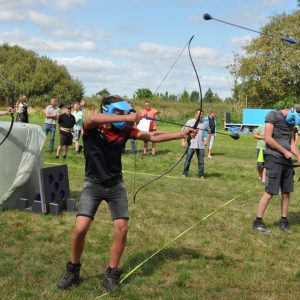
66	122
259	134
104	137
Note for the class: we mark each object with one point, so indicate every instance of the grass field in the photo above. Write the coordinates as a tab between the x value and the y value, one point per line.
220	258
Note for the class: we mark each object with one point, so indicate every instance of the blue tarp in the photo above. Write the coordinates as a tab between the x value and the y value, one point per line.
255	116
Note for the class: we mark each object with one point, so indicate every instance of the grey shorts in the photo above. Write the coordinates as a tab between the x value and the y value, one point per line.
278	175
114	193
76	135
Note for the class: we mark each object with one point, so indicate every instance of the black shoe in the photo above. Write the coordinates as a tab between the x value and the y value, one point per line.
57	157
111	279
284	225
260	226
65	156
79	149
71	277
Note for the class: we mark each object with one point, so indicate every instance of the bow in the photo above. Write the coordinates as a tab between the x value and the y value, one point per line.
10	89
195	126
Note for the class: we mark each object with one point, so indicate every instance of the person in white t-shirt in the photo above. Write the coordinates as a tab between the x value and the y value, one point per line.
77	113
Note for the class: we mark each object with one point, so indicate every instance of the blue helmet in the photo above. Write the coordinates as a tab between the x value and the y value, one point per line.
110	108
293	117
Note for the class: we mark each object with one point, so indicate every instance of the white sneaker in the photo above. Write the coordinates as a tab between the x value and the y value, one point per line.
209	156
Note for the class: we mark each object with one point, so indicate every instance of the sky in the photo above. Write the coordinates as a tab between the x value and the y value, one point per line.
125	45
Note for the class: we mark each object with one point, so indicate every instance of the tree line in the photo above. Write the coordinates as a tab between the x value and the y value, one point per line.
147	94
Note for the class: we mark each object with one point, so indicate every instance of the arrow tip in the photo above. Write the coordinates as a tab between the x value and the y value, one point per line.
207	17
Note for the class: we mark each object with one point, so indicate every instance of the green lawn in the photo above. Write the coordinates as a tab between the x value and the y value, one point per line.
221	258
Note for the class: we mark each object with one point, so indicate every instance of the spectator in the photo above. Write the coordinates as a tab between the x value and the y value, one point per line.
66	122
104	137
196	145
77	127
212	123
21	108
148	111
52	113
280	148
259	134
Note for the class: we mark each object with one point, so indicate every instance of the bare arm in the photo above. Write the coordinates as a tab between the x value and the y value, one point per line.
167	136
207	139
295	150
51	116
258	136
8	112
98	118
273	143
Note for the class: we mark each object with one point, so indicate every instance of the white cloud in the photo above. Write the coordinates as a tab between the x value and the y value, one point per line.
270	3
65	4
84	63
17	37
69	33
10	11
239	42
44	20
57	27
145	66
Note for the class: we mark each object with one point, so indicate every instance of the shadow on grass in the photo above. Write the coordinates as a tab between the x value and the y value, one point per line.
149	268
158	152
173	254
213	174
293	217
218	154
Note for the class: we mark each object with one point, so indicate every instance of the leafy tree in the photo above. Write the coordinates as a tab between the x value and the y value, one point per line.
208	96
185	96
143	94
103	93
194	96
38	77
172	98
270	70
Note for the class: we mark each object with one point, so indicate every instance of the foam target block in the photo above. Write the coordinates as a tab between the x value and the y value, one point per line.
22	203
54	186
37	206
54	209
70	204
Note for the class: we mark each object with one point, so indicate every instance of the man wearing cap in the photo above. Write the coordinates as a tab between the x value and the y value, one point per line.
104	137
66	122
280	149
